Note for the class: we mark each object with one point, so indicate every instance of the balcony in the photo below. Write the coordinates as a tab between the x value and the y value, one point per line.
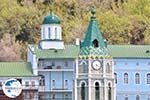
44	89
30	87
55	99
54	68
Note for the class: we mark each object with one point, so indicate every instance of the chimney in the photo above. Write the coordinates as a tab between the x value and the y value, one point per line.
77	41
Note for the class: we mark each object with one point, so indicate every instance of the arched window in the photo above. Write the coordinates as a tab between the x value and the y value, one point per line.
115	74
97	91
108	68
126	98
126	78
49	33
53	97
66	96
42	80
148	98
55	33
137	97
43	32
109	91
137	78
148	78
95	43
53	83
83	91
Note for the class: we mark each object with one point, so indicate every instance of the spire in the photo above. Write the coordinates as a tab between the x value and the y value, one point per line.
93	12
93	40
93	33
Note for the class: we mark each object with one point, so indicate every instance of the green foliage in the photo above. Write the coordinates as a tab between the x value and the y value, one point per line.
126	22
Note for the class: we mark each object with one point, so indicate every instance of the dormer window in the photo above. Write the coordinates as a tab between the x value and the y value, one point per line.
95	43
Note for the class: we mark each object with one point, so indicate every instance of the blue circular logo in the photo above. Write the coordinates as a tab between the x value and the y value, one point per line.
12	88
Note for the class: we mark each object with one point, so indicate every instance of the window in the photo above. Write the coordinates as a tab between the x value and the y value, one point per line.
149	63
137	97
53	63
41	97
115	74
126	98
66	83
83	91
66	96
126	78
27	95
53	82
107	68
55	33
148	98
148	78
109	91
33	83
66	64
137	78
43	32
49	33
42	80
97	91
26	83
53	96
95	43
0	84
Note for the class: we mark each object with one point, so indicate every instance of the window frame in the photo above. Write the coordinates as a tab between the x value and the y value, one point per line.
148	78
97	95
126	78
137	97
49	32
115	76
26	83
137	78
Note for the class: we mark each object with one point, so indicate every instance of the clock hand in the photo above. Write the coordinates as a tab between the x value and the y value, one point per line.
97	65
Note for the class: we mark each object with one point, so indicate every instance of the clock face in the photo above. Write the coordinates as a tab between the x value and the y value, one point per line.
96	64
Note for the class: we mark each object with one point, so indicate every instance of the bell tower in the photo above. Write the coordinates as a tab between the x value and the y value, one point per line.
51	33
94	73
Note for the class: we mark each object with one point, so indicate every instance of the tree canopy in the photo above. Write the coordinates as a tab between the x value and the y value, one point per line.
121	21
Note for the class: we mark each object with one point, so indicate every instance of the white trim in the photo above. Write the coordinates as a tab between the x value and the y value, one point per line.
82	81
83	62
100	84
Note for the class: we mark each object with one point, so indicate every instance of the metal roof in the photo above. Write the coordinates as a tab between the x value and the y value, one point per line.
116	51
129	51
70	51
15	69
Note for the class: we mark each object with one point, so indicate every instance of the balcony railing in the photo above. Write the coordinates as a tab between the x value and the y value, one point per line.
55	99
45	89
54	68
31	87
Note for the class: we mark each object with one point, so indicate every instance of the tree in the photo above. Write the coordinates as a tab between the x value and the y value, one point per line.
9	49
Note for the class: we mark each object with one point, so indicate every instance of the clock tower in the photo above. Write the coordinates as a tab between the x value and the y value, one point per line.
94	72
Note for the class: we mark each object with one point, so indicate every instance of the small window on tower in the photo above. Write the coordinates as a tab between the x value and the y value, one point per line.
95	43
55	33
49	33
26	83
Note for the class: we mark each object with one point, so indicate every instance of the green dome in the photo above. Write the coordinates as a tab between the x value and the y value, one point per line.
51	19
